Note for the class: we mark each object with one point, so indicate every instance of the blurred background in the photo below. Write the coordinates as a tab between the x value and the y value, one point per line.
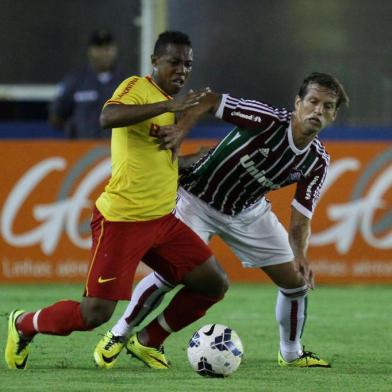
259	49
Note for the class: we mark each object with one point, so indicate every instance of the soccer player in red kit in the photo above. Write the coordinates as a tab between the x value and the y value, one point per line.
133	219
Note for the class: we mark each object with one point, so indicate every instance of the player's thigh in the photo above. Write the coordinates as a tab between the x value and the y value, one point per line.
188	212
117	250
258	238
182	257
207	278
178	251
284	275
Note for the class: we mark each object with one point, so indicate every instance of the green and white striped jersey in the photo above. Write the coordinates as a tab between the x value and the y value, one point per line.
257	156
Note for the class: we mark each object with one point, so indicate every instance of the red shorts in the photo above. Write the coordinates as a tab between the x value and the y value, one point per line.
166	244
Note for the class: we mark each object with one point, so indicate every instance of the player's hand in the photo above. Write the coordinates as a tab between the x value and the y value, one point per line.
302	265
192	98
168	136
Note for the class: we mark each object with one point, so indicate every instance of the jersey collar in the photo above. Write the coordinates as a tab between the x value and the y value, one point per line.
151	80
292	145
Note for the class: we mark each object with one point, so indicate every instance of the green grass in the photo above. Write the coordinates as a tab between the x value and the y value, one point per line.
349	325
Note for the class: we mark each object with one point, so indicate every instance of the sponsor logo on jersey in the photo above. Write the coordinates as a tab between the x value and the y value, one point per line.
309	188
250	117
127	88
259	175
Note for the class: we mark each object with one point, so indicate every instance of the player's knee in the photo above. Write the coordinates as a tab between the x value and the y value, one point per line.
214	282
216	285
295	281
285	276
223	285
94	318
295	292
95	313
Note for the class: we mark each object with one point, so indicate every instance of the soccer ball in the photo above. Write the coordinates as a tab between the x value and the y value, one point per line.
215	350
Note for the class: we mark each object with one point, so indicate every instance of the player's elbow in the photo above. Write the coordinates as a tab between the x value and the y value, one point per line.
107	118
104	119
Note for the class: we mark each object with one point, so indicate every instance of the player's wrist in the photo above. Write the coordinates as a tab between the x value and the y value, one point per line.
167	106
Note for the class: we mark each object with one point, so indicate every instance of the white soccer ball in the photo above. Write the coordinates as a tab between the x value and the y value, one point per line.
215	350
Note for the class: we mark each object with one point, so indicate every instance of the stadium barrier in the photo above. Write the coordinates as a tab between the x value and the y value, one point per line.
49	186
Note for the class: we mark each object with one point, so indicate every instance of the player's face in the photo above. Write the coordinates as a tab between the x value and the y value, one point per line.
172	69
102	57
316	110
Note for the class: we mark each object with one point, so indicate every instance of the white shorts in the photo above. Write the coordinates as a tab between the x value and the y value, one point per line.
255	235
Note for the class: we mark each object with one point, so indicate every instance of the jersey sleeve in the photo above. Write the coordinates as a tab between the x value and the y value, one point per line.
131	91
309	188
246	113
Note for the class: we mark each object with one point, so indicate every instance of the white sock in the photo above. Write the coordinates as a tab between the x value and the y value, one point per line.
146	296
291	307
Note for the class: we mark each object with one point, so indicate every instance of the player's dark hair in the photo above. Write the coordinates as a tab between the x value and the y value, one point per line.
170	37
327	81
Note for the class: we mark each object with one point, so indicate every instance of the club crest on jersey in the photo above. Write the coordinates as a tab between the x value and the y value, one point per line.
295	176
154	128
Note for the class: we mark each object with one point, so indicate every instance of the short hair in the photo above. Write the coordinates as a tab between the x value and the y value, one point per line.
101	37
170	37
327	81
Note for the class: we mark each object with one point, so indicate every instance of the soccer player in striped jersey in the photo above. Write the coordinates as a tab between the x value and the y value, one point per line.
223	194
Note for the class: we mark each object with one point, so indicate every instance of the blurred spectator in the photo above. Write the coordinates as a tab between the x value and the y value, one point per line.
83	92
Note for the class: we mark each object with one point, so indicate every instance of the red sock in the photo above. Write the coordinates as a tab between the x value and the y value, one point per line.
153	334
61	318
185	308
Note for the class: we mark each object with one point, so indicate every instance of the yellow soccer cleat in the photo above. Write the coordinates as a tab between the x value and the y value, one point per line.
108	349
307	359
17	349
150	356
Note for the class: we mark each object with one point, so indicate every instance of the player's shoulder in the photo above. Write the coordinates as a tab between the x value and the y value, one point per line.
319	148
130	85
264	108
132	80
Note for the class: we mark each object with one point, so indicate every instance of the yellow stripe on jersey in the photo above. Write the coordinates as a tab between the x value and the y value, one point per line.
144	179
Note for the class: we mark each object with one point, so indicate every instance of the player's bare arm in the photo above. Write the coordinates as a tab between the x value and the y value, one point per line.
208	104
299	234
115	115
191	99
170	138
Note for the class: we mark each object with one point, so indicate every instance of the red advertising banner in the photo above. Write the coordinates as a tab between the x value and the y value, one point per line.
49	187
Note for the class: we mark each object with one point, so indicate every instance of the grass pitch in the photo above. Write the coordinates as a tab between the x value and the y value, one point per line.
351	326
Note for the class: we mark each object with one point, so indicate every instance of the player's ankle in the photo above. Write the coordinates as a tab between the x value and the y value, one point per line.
290	356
